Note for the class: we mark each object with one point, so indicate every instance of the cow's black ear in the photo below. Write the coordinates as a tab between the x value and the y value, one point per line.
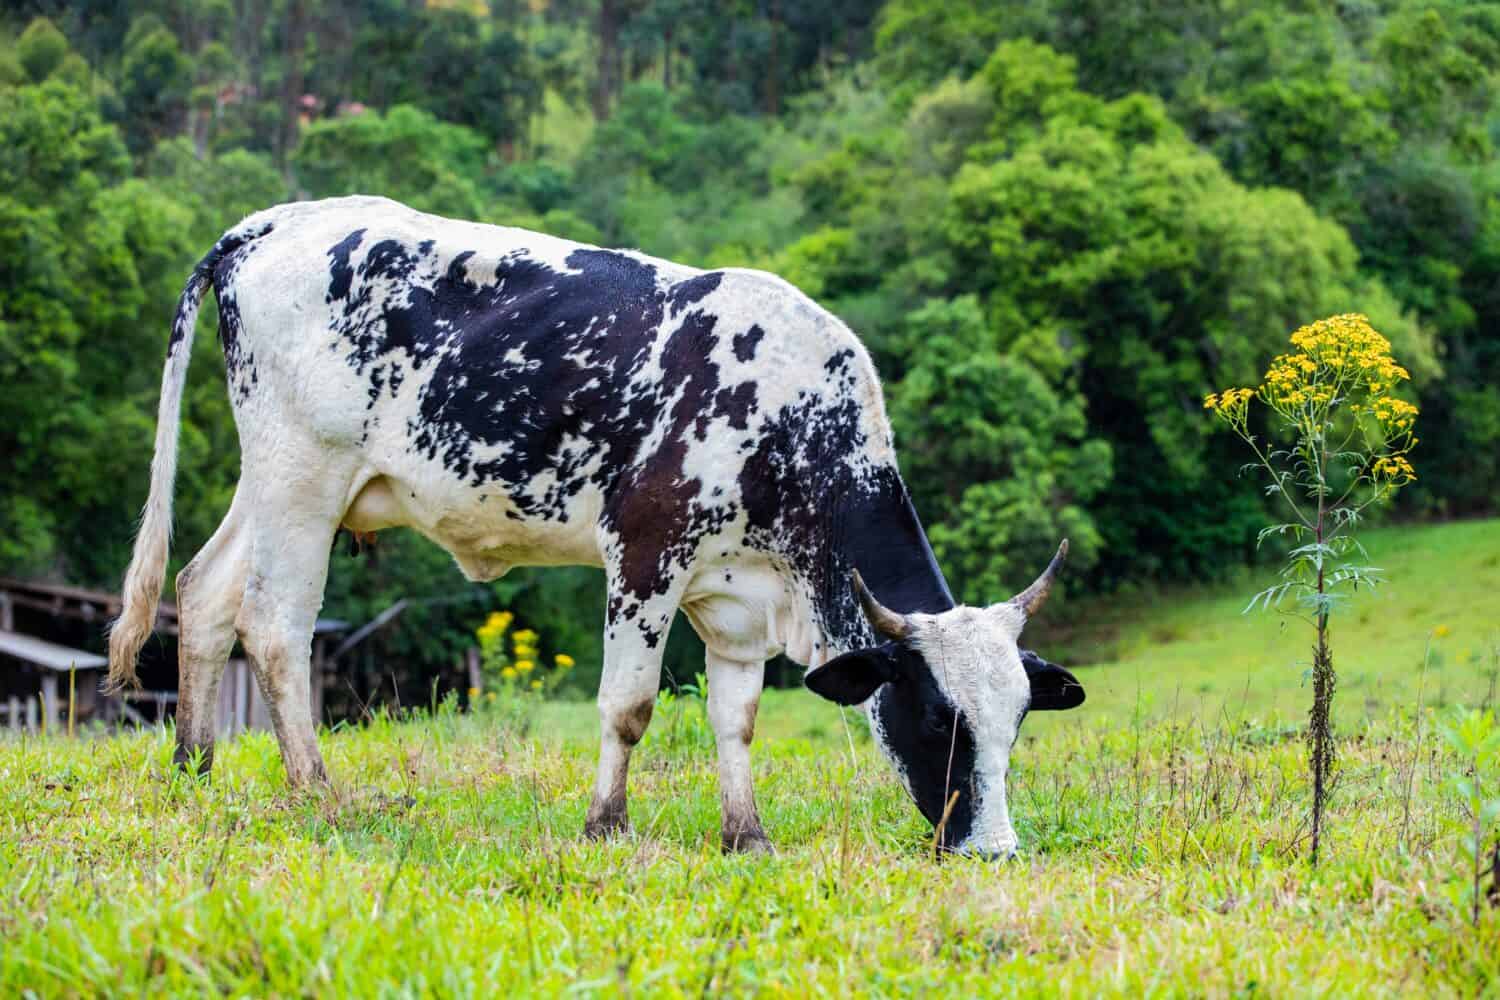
1052	688
853	677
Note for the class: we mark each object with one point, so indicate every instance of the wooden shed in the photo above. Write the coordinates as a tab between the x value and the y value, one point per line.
59	669
52	639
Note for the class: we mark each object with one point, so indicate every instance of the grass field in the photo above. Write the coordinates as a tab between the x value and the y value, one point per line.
1163	833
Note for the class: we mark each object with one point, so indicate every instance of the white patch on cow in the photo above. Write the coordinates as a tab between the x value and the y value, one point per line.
972	653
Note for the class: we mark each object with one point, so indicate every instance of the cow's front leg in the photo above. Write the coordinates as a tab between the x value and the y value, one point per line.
733	698
633	644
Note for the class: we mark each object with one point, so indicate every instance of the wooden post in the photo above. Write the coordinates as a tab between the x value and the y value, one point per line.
31	714
316	680
471	659
7	614
244	694
13	712
49	700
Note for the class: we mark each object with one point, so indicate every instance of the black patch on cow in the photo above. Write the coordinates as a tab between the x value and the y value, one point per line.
919	723
693	290
839	361
341	272
230	255
542	366
737	404
745	343
206	271
809	501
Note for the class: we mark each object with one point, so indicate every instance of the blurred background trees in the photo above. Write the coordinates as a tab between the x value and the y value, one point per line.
1055	223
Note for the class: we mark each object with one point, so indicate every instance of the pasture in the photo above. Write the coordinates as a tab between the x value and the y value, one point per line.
1163	837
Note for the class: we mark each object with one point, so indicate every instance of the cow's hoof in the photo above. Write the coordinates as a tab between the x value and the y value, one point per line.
746	842
605	829
606	826
196	762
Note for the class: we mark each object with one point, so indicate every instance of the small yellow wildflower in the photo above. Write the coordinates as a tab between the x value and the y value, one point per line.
509	673
493	628
1394	468
490	696
1441	632
473	693
563	661
525	666
536	685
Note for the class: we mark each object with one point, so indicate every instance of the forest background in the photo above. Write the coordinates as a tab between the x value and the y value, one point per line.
1056	224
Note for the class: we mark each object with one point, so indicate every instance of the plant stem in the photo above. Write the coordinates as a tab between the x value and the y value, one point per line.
1319	733
1478	839
1416	756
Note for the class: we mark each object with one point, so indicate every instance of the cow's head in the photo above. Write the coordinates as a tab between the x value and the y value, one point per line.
946	695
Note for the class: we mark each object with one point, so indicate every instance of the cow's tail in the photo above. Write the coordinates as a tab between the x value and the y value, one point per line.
141	590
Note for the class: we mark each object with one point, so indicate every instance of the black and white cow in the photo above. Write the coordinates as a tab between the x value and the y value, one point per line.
713	439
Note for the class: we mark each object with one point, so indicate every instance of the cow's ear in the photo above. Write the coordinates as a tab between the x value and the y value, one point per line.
1052	688
853	677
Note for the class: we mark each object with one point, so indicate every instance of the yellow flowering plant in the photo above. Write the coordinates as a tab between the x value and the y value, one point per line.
514	672
1338	442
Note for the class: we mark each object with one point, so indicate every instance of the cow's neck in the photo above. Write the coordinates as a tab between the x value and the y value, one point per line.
877	531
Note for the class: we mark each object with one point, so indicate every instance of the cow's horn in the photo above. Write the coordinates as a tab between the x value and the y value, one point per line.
1033	597
882	619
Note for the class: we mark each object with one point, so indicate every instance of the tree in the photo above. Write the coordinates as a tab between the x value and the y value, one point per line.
406	154
41	49
87	253
1000	462
156	81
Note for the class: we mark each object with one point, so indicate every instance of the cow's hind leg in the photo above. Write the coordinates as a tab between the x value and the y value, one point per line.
733	698
209	591
634	640
295	514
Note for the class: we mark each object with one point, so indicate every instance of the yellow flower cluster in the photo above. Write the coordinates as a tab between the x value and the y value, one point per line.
1337	356
1394	469
493	628
518	665
1349	340
1339	363
523	645
1229	402
1395	415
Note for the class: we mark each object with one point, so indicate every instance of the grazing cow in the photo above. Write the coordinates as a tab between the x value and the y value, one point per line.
713	439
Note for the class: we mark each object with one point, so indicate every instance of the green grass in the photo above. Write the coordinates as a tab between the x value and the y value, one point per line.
1163	829
1182	653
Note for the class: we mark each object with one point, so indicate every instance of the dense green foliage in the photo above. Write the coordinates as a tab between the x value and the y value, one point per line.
1055	224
